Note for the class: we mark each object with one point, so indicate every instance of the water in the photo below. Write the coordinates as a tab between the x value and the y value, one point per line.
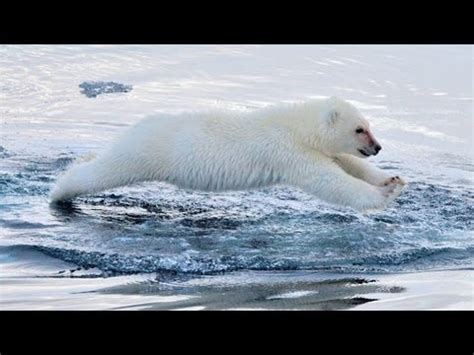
420	109
95	88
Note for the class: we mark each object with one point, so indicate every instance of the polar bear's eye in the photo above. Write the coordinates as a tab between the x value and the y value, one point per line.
359	130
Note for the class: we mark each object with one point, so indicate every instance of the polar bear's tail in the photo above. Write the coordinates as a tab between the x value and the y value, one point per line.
87	177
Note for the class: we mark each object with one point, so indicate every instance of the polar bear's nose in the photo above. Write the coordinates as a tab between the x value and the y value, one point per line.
377	148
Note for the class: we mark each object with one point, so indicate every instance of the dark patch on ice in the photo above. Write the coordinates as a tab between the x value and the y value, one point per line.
394	289
276	291
355	301
94	88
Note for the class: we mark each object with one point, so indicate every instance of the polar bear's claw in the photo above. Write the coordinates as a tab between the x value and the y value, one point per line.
392	187
394	180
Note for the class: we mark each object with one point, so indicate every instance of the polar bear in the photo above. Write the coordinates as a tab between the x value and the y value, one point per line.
318	146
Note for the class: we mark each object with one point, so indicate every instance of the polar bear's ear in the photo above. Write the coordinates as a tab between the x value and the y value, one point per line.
332	115
332	112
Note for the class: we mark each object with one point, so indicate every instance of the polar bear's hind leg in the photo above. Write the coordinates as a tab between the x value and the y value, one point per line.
93	176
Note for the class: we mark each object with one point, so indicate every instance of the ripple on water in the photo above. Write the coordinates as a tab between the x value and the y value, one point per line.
153	227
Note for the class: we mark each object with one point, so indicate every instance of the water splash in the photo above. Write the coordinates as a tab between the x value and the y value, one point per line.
157	227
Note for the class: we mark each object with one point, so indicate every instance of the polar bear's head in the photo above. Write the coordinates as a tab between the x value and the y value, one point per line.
343	129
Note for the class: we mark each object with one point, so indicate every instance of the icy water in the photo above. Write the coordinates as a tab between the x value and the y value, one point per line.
275	244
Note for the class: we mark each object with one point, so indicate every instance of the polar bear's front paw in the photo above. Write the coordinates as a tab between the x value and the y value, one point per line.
392	186
394	180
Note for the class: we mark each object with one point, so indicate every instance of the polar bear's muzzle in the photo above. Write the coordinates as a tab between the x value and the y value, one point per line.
372	146
371	150
367	152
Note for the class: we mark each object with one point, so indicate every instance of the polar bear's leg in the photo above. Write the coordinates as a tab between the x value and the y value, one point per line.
328	181
95	175
363	170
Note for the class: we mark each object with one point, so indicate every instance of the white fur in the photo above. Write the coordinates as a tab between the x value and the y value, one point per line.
310	145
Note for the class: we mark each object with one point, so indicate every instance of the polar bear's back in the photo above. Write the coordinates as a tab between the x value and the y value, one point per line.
207	151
